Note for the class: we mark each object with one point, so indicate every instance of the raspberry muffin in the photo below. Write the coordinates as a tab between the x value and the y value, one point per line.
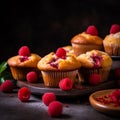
58	65
69	49
95	62
86	41
111	41
23	63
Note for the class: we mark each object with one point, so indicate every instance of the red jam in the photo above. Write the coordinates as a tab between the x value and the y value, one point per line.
97	60
53	63
23	58
112	98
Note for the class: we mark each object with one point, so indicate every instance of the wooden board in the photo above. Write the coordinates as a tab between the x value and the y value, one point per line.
39	89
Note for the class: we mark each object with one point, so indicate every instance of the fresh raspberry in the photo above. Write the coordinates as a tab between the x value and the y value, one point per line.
114	28
48	97
115	96
24	51
92	30
24	94
66	84
32	77
94	79
117	73
61	53
55	109
7	86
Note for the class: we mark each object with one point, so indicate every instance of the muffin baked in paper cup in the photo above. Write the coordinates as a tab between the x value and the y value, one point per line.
52	78
19	73
112	49
103	72
81	48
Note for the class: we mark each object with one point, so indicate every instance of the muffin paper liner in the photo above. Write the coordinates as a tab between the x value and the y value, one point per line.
112	49
19	73
103	72
52	78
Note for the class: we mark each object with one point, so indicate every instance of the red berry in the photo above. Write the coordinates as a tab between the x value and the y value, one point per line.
24	51
61	53
24	94
114	28
32	77
66	84
94	79
115	96
117	73
92	30
48	97
7	86
55	109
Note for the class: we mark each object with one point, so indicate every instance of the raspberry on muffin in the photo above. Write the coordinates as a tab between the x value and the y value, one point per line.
87	40
58	65
111	41
23	63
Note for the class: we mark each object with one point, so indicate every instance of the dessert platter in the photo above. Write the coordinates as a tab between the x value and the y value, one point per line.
39	89
101	102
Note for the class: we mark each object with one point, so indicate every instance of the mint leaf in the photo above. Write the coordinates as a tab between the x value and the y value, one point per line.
3	66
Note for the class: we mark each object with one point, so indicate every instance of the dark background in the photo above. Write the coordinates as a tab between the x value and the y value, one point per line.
45	25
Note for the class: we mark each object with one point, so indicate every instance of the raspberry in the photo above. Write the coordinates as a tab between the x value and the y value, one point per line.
24	51
55	109
114	28
115	96
94	79
92	30
7	86
117	73
61	53
48	97
32	77
66	84
24	94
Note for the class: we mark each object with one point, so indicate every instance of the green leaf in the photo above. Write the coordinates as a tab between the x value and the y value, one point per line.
3	66
2	80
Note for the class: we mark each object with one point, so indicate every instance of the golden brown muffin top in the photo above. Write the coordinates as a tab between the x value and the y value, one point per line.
52	62
95	59
113	38
69	49
84	38
22	61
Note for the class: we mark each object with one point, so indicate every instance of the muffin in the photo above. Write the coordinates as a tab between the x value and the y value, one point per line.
111	41
58	65
69	49
23	63
95	62
86	41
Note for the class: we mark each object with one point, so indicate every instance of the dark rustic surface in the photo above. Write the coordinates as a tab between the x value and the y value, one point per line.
77	109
